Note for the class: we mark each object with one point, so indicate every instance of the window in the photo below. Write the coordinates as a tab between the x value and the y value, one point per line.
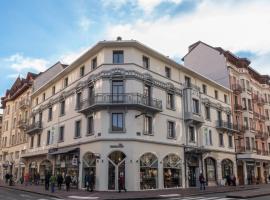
146	62
171	129
216	94
246	123
62	108
191	134
167	72
50	114
117	122
204	89
207	112
230	141
53	90
65	82
210	138
31	141
78	100
48	137
94	63
118	57
117	90
170	101
249	105
187	81
244	102
148	125
225	98
195	107
247	143
38	140
82	71
37	101
253	143
147	94
61	134
77	129
90	125
43	96
221	142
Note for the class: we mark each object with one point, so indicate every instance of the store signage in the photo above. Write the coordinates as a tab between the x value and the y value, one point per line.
74	161
117	146
63	164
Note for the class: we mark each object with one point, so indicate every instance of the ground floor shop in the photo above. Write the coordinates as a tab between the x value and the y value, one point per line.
253	171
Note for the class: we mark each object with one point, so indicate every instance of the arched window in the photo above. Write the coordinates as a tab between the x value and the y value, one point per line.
148	171
172	171
210	167
227	168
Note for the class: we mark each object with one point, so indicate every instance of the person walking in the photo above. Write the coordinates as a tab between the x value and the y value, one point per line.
52	182
92	180
7	177
60	180
87	181
121	181
26	179
47	181
202	182
67	181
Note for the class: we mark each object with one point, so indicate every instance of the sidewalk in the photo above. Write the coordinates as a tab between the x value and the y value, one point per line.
131	195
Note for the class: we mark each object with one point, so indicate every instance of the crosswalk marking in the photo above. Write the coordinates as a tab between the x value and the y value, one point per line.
202	198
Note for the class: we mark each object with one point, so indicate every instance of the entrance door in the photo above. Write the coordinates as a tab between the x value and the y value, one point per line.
192	176
240	172
259	177
116	167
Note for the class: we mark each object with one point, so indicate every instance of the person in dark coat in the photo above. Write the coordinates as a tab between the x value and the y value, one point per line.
60	180
87	181
92	181
202	182
47	181
121	181
68	181
7	177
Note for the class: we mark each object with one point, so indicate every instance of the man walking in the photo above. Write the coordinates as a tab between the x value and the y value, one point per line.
202	182
47	181
68	181
52	182
60	180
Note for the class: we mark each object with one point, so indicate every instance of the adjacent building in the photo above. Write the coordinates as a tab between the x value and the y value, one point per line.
124	109
250	106
16	111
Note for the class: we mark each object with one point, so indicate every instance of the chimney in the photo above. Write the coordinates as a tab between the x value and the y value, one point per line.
119	38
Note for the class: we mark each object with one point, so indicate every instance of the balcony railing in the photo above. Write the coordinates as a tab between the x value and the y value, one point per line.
255	97
22	124
240	149
24	103
135	100
238	107
237	89
261	101
265	153
256	115
259	152
34	127
226	125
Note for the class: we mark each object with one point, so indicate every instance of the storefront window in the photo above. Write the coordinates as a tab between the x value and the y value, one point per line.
227	168
89	166
172	171
148	171
210	165
45	167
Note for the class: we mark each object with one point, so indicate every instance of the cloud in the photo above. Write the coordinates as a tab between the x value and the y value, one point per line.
19	63
85	23
69	57
233	25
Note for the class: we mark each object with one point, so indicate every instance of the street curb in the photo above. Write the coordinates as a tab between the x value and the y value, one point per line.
40	193
249	196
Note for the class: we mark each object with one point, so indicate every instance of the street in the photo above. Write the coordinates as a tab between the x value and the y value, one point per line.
9	194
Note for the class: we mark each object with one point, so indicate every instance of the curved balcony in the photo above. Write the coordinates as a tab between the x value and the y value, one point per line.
237	89
132	100
238	107
226	126
33	128
24	103
22	124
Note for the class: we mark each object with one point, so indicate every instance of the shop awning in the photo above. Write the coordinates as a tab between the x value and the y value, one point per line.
62	150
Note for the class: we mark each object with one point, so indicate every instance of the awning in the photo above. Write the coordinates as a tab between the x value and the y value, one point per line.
56	151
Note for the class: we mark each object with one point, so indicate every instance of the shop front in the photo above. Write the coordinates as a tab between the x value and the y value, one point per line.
172	173
33	169
210	171
89	167
227	168
251	179
148	171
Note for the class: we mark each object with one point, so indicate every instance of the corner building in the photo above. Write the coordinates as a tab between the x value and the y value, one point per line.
123	108
250	106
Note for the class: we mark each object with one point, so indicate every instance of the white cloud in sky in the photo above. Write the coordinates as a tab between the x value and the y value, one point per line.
19	62
233	25
85	23
69	57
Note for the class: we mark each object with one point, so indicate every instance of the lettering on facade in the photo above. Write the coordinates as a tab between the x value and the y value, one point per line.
117	146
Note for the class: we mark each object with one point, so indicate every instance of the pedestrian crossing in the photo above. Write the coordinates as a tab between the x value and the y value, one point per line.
177	197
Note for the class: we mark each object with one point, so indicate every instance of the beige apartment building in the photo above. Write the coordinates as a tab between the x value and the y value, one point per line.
123	108
16	110
1	124
250	106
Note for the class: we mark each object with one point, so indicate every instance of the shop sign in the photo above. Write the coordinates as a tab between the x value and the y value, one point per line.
117	146
74	161
63	164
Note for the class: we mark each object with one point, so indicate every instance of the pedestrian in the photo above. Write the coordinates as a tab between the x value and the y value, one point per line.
202	182
60	180
47	181
10	180
121	181
52	182
87	181
233	180
228	179
37	179
26	179
92	180
7	177
67	181
22	179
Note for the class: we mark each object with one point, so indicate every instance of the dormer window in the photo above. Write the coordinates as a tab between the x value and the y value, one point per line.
118	57
146	62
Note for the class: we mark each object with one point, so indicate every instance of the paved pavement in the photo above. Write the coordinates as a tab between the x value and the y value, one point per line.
10	194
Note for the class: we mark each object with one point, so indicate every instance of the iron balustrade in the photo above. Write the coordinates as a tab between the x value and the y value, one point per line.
226	125
135	99
237	88
33	127
24	103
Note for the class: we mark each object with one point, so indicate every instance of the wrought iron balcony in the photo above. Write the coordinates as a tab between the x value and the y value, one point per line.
265	153
227	126
238	107
255	97
240	149
33	128
261	101
22	124
256	115
24	103
259	152
133	100
237	89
